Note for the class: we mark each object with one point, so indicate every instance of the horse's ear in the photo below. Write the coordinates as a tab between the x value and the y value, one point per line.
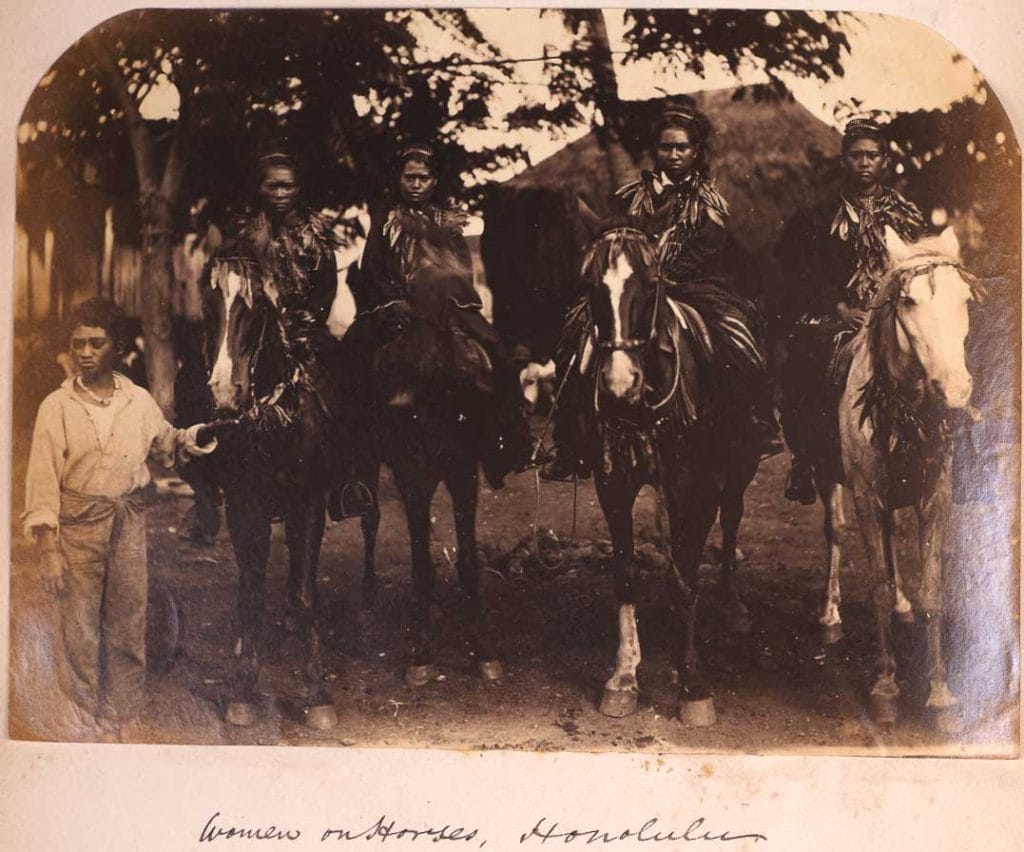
591	221
948	243
898	250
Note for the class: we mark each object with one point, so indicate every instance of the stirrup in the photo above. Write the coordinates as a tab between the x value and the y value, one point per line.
353	499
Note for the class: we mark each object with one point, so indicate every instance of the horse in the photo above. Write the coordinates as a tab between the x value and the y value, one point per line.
661	416
280	413
906	376
435	385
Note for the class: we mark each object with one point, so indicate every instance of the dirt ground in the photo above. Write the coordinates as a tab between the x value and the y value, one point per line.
777	689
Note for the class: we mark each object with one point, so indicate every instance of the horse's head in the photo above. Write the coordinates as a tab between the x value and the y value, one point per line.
928	293
242	340
620	270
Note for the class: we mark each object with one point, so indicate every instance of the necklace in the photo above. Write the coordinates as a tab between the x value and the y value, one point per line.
99	400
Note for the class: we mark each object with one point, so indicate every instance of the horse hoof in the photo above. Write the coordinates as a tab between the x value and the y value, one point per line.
906	616
884	710
490	670
322	717
618	702
831	633
420	675
698	714
240	713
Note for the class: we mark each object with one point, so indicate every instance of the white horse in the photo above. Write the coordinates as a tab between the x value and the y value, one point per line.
908	373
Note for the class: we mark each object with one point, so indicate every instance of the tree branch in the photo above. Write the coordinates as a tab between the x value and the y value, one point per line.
142	141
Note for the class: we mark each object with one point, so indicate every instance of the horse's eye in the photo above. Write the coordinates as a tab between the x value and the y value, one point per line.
907	299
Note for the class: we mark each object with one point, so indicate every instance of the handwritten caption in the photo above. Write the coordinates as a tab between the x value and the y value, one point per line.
543	831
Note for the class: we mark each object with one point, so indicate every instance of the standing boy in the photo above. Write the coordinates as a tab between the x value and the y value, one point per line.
84	491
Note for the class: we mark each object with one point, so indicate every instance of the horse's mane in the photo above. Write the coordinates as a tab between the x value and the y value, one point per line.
618	236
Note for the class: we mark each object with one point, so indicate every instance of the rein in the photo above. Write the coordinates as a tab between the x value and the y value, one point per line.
633	344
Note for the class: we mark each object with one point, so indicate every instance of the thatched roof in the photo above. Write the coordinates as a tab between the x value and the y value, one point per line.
769	159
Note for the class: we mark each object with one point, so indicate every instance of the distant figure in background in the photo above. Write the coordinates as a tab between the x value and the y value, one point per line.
537	383
833	258
85	490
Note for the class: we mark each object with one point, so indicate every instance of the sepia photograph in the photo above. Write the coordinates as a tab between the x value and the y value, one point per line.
562	380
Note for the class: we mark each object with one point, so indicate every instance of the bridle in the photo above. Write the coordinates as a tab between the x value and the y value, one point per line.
905	273
635	344
631	344
297	373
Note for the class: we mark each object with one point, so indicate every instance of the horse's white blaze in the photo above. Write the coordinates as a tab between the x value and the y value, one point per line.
221	382
622	374
937	321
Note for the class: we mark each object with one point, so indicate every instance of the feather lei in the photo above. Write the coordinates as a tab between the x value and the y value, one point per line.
863	222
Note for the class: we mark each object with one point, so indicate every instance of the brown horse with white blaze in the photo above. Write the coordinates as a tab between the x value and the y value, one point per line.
662	415
285	440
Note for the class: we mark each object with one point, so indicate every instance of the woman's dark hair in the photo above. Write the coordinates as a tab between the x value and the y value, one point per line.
864	128
275	155
684	115
101	313
423	154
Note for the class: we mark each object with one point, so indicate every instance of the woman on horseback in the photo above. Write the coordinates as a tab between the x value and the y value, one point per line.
679	207
833	258
286	251
418	243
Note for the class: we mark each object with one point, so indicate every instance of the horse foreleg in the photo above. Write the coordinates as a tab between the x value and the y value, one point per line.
621	689
876	527
370	523
831	494
931	525
417	497
736	615
693	504
902	607
248	522
304	532
462	486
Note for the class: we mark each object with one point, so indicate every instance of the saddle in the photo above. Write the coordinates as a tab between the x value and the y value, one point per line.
472	363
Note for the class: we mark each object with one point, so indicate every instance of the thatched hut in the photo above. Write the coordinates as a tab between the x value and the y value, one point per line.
770	158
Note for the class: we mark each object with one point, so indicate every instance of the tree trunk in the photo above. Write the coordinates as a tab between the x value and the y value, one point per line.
621	167
157	280
158	194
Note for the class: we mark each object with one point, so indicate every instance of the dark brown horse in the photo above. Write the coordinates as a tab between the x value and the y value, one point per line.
435	389
272	375
662	415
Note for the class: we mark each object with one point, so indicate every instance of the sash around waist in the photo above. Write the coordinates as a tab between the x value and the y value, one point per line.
79	508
